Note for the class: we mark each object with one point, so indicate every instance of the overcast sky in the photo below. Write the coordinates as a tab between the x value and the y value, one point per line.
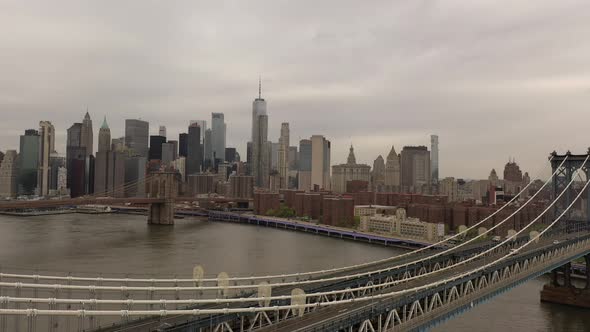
493	79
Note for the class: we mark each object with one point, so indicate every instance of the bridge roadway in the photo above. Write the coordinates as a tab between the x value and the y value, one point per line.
49	203
321	319
186	323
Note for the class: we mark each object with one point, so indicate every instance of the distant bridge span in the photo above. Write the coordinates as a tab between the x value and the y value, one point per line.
161	196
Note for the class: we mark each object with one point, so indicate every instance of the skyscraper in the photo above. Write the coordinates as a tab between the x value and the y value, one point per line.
46	147
103	163
182	144
415	167
293	158
168	152
392	171
218	129
351	171
260	166
203	126
230	155
110	162
29	162
104	136
137	136
284	155
162	131
378	174
513	178
320	162
304	181
155	152
8	174
208	150
434	158
55	162
293	155
87	135
274	156
75	161
134	170
194	158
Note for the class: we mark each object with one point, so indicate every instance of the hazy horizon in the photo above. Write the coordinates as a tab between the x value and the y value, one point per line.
493	81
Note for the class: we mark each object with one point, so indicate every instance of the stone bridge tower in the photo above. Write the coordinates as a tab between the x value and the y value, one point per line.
162	186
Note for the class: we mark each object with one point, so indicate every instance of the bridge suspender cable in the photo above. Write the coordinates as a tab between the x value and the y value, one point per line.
121	188
311	273
372	297
285	297
194	312
287	284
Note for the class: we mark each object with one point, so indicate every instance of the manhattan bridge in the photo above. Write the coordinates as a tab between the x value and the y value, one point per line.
409	292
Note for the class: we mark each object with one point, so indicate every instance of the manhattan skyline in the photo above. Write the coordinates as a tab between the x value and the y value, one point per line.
373	76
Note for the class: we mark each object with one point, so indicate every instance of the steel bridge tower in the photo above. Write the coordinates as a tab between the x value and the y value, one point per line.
560	180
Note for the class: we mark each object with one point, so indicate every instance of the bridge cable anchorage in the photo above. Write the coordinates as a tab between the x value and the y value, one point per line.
310	274
379	296
464	261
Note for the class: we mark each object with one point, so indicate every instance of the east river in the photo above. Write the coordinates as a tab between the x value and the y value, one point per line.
124	244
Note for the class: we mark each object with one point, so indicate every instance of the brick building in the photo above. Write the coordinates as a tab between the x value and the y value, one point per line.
338	211
265	201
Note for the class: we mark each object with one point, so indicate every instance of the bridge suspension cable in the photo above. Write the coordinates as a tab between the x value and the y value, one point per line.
316	294
372	297
311	273
203	301
121	188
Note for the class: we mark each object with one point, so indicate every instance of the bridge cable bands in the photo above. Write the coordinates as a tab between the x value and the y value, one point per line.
311	273
285	297
195	312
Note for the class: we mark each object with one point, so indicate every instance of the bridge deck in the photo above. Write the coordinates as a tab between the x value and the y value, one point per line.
186	323
319	320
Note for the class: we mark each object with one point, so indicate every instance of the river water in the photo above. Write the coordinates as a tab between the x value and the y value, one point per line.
124	244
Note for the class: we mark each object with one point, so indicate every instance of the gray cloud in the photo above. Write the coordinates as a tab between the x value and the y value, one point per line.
492	79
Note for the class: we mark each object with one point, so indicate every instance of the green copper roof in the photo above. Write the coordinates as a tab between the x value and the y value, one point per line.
104	124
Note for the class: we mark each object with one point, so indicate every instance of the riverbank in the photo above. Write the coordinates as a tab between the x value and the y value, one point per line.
318	229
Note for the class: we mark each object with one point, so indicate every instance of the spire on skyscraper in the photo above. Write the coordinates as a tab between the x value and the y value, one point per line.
104	123
351	157
259	87
392	154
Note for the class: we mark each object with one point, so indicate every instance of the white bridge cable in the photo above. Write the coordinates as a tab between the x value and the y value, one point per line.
301	274
284	297
196	312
